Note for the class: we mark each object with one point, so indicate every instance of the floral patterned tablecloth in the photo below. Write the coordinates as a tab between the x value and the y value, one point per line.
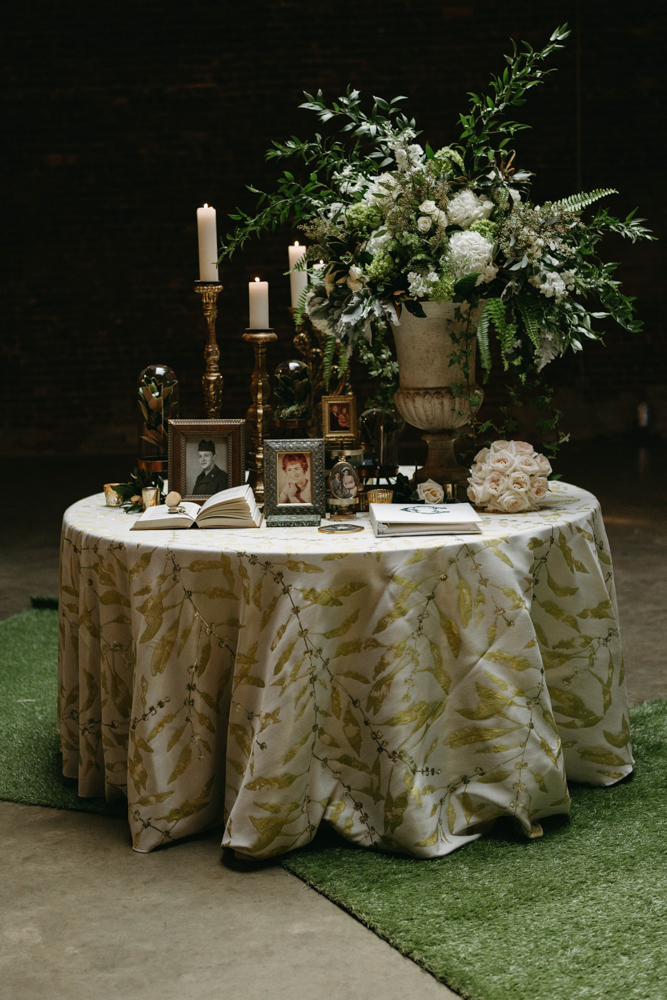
405	690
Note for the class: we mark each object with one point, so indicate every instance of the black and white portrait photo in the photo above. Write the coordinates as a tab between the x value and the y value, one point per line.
206	466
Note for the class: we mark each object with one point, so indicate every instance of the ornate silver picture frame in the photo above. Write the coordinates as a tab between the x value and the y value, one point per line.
294	482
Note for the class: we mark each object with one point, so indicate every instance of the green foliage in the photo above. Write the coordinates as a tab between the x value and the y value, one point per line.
506	331
483	341
578	202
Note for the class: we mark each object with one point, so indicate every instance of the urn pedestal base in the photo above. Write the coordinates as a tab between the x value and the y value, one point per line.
441	464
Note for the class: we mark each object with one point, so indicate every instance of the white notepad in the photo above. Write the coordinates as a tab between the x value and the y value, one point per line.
424	519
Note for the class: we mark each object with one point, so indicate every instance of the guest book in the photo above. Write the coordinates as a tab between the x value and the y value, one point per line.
233	508
424	519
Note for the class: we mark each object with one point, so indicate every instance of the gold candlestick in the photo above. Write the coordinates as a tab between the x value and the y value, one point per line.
260	414
212	380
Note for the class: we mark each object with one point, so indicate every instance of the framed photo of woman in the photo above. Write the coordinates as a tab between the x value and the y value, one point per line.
294	477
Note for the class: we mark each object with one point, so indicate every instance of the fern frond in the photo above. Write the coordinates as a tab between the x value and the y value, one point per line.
578	202
483	340
327	359
506	331
530	314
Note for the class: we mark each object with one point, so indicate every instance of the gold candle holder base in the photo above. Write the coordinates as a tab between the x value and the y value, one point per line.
260	414
212	381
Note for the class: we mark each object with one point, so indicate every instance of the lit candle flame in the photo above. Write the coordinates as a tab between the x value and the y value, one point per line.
296	243
205	204
256	279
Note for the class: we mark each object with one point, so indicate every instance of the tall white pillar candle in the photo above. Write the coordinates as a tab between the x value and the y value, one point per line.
298	279
258	292
208	244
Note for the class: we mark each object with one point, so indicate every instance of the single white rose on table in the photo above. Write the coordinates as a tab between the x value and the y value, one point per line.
502	461
512	502
539	487
424	223
430	492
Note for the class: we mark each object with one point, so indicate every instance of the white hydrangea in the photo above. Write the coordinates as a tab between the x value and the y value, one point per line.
421	285
465	207
377	239
469	252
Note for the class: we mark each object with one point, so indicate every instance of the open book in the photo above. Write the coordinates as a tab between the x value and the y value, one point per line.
234	508
424	519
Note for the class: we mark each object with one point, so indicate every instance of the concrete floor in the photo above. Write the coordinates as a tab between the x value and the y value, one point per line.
84	916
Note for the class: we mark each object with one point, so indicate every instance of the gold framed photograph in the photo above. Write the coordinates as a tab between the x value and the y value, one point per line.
205	457
339	418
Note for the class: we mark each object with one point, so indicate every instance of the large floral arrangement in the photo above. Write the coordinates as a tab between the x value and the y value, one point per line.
392	222
509	477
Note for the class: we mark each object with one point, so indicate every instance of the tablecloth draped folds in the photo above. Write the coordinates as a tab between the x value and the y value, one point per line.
407	691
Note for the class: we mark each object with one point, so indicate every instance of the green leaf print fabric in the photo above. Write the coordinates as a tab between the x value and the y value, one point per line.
406	690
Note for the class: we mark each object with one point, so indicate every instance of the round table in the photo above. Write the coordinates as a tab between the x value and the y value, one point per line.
406	690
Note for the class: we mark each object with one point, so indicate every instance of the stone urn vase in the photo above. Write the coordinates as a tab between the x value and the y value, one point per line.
433	393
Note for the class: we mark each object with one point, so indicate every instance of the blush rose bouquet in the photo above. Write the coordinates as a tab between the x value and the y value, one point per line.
509	477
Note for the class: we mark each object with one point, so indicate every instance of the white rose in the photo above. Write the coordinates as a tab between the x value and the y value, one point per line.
479	494
441	217
527	464
543	465
502	461
513	503
473	494
501	446
522	448
478	473
430	492
424	223
428	207
495	483
519	482
539	487
482	455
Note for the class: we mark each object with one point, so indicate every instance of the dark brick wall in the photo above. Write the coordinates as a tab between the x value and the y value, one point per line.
120	118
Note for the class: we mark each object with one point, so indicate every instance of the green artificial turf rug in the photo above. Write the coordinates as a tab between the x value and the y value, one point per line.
30	760
580	914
